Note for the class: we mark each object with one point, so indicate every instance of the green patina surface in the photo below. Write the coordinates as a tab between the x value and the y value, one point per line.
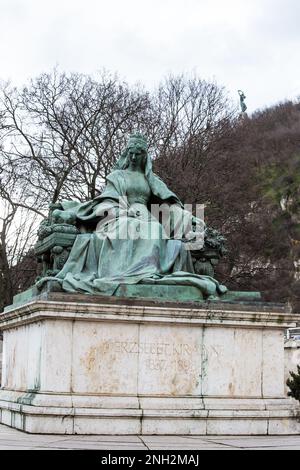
115	246
180	293
156	292
26	296
55	239
120	241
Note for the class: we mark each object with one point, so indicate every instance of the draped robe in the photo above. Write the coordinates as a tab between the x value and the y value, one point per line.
101	259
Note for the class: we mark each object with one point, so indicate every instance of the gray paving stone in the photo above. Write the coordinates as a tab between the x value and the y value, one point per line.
275	448
195	447
174	439
104	438
16	448
87	446
258	441
12	439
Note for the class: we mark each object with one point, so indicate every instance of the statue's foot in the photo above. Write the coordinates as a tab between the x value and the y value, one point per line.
213	297
222	289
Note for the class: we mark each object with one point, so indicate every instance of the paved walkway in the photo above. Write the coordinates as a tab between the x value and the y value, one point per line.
11	439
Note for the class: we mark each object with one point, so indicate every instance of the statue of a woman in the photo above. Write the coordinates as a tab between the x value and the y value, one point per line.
242	101
122	242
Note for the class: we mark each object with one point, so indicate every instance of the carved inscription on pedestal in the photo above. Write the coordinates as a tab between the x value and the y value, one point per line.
157	356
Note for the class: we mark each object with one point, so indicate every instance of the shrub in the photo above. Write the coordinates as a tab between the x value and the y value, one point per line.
294	384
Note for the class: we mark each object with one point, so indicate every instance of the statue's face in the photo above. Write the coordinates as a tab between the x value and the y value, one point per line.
136	155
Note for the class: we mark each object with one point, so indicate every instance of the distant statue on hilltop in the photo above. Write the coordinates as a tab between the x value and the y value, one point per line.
242	101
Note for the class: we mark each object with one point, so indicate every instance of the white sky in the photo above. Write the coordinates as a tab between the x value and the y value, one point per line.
249	44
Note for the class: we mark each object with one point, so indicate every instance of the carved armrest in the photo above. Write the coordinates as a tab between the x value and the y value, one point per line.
56	236
53	251
206	259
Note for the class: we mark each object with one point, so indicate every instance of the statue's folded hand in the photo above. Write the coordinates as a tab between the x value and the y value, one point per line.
138	210
132	212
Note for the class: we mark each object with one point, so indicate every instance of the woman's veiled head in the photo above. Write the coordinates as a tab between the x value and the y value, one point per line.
135	154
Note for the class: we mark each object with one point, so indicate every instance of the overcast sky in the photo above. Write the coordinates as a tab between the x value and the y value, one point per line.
249	44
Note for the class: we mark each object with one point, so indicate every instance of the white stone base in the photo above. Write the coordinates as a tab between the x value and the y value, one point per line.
211	417
73	366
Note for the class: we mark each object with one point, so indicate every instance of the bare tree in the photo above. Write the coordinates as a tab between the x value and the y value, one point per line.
69	128
193	116
18	227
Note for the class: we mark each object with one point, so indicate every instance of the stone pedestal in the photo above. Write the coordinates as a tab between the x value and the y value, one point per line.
91	365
